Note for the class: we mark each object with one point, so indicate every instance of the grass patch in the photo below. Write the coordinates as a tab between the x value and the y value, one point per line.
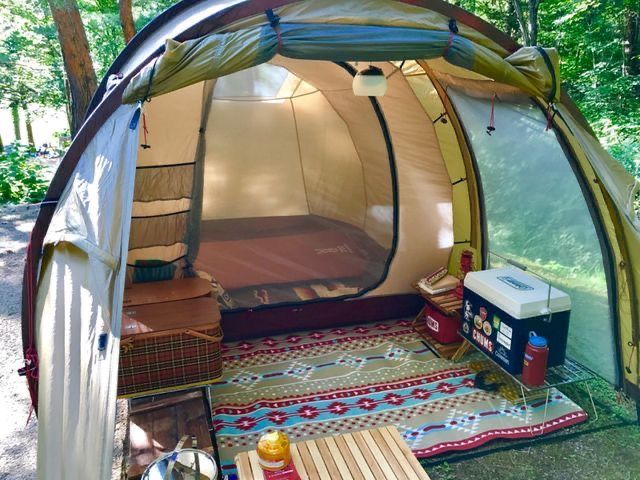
22	177
604	449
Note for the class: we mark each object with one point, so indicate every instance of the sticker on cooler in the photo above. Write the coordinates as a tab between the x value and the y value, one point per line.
502	354
504	340
433	324
483	340
517	284
468	313
506	330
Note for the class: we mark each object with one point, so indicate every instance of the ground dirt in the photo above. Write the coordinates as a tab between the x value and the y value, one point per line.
602	449
17	441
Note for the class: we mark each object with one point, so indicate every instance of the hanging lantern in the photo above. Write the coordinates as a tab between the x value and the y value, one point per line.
370	82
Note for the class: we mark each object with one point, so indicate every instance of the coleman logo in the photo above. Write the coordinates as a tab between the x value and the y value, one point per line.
483	341
513	283
433	324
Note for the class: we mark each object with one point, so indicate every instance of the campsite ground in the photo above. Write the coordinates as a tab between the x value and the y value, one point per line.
17	442
602	449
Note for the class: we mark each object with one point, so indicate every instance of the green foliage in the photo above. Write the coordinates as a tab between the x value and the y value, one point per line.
31	70
104	32
21	176
31	67
590	38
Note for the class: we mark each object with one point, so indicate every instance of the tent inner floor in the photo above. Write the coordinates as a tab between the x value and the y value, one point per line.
288	259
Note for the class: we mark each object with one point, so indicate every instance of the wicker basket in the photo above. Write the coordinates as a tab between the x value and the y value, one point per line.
155	358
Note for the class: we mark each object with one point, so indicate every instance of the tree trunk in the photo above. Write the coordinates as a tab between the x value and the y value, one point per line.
77	60
1	145
27	121
126	20
524	30
15	116
67	104
533	21
511	21
632	42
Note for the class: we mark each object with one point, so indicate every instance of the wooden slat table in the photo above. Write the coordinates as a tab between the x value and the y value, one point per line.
375	454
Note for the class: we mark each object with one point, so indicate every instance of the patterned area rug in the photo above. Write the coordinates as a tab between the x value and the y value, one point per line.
339	380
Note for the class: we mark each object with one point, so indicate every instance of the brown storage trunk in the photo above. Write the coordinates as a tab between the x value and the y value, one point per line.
160	422
169	346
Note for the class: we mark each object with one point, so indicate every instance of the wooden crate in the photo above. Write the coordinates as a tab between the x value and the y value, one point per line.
156	424
370	454
448	304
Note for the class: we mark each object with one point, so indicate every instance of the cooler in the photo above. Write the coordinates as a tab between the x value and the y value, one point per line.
502	307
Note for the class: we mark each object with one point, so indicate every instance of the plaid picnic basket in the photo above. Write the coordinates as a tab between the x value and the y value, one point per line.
169	346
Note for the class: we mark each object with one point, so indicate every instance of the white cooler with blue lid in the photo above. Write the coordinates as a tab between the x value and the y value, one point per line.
502	307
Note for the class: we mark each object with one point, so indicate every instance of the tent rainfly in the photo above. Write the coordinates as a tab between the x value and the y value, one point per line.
265	170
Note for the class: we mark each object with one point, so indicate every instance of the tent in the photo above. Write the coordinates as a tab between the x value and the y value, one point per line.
226	140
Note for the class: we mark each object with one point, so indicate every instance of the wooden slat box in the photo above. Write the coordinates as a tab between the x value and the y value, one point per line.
170	345
375	454
156	424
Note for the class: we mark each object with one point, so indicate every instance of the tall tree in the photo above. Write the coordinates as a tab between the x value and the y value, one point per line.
15	117
77	60
524	29
534	5
126	20
631	41
28	123
529	23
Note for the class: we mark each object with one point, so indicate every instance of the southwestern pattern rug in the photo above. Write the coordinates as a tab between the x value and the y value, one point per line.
327	382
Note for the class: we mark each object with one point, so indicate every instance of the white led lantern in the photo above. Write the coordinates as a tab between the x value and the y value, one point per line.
370	82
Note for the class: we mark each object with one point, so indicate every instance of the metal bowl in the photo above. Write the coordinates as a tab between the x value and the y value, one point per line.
189	464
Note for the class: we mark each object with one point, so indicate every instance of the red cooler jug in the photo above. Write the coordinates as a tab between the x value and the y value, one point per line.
535	361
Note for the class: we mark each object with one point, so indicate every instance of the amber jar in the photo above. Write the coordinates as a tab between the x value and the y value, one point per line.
274	452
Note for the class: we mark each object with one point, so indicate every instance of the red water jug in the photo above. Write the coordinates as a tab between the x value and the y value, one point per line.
535	361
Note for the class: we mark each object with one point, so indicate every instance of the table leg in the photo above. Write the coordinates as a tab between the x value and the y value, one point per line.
546	405
206	396
526	410
593	404
462	349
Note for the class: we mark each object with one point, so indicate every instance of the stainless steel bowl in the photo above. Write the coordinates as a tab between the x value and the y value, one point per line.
185	464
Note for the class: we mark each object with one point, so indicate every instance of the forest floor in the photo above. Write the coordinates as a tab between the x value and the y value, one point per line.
606	448
17	439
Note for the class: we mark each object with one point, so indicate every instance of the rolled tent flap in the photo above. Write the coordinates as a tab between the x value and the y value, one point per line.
78	306
216	55
541	66
193	61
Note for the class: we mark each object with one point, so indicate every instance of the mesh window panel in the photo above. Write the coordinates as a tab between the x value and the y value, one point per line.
536	214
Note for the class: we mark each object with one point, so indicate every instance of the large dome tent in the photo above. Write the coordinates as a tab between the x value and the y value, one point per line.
264	169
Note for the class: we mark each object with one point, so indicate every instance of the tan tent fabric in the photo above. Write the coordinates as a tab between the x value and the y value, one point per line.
172	122
80	298
261	178
365	132
425	234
